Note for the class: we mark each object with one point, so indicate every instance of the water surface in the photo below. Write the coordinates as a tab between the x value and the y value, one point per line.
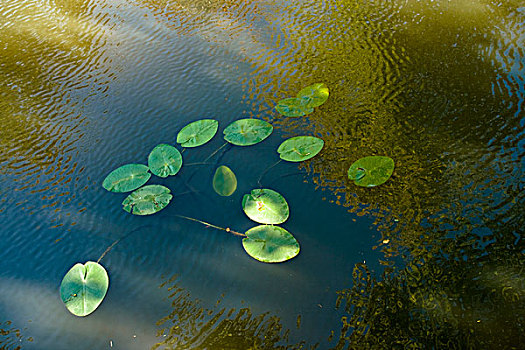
436	85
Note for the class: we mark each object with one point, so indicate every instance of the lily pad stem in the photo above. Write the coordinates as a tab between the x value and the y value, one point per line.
211	225
215	152
265	171
108	249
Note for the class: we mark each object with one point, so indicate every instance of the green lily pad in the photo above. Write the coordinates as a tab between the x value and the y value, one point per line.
371	171
147	200
297	149
293	107
265	206
247	132
197	133
127	178
165	160
84	287
224	181
270	244
314	95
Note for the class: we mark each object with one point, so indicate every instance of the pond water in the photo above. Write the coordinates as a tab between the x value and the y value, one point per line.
434	258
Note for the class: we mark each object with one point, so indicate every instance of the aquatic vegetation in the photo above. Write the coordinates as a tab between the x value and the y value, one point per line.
126	178
84	287
305	101
224	181
270	244
371	171
197	133
300	148
293	107
265	243
165	160
247	132
314	95
147	200
265	206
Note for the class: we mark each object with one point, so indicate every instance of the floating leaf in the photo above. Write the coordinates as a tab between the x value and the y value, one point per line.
147	200
297	149
84	287
293	107
314	95
126	178
247	132
270	244
197	133
371	171
164	160
265	206
224	181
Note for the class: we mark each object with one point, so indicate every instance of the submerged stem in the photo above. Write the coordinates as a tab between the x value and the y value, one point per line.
215	152
108	249
265	171
227	229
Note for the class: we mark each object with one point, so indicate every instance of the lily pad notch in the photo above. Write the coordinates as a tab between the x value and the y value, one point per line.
84	287
270	244
304	103
265	206
165	160
197	133
126	178
371	171
147	200
300	148
247	132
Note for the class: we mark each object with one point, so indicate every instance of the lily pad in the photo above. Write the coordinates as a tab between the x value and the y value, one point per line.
84	287
165	160
371	171
197	133
297	149
147	200
270	244
314	95
126	178
224	181
265	206
247	132
293	107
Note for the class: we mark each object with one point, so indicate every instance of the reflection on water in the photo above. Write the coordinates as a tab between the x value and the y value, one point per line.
436	85
415	82
51	62
11	338
439	87
191	326
445	302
